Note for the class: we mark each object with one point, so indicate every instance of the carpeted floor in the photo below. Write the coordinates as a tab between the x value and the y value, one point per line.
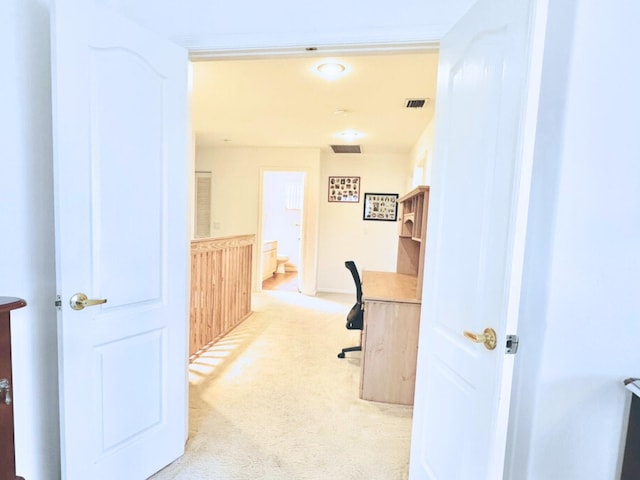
272	401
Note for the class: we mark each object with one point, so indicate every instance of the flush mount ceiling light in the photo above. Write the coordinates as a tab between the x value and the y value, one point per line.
330	69
350	135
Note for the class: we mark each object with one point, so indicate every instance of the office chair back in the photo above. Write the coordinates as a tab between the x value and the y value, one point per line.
351	266
355	317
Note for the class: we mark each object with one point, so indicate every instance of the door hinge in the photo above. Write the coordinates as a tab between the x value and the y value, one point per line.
512	344
58	302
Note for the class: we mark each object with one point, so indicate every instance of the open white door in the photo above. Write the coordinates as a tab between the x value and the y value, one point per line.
477	217
120	172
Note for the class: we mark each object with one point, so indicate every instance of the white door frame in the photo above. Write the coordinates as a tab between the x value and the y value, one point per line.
304	214
208	52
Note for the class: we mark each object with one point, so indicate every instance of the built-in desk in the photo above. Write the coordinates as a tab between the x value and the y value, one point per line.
392	302
390	337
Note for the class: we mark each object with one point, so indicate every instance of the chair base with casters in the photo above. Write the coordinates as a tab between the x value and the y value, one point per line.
355	317
349	349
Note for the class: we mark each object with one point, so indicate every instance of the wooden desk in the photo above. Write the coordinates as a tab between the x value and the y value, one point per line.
392	303
390	337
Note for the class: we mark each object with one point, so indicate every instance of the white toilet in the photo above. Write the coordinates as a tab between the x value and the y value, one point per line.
281	260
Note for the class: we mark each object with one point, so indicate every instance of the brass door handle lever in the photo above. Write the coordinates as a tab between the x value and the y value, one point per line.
488	338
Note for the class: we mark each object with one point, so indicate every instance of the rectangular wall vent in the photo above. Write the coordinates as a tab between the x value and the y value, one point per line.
346	148
415	102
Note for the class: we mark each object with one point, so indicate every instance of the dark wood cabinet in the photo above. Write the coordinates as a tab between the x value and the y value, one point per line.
7	447
631	460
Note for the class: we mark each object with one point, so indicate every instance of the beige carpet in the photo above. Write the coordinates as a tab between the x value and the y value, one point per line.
272	401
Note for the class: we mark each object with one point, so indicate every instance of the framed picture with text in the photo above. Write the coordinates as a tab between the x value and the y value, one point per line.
344	189
380	206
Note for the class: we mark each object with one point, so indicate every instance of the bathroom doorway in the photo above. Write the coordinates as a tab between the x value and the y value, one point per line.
282	206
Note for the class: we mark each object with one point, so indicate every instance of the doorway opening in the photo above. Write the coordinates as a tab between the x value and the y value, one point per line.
281	220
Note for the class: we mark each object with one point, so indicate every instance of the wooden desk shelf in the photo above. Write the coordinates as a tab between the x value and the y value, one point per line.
414	207
392	306
407	225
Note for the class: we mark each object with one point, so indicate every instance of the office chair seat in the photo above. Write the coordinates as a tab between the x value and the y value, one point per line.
355	317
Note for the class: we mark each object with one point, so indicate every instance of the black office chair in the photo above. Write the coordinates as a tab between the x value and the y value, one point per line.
355	318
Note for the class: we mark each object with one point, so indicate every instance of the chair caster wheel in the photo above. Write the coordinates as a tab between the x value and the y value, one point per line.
341	355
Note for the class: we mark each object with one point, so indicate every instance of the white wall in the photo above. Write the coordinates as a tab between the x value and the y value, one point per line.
344	235
236	184
421	158
341	232
581	308
250	24
26	235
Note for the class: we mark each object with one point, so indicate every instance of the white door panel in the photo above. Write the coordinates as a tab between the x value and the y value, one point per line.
123	85
120	166
459	428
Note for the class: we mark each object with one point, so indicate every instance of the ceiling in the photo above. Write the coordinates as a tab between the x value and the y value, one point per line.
281	102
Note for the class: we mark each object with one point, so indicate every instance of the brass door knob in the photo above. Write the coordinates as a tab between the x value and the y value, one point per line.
80	300
488	338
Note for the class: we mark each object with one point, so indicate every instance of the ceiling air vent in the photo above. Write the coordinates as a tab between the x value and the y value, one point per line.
346	148
415	102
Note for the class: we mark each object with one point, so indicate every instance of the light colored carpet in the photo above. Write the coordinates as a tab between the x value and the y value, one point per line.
272	401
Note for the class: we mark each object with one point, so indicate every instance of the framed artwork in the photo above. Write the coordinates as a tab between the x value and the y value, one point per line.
380	206
344	189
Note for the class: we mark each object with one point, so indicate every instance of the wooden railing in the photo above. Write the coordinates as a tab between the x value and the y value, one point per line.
220	288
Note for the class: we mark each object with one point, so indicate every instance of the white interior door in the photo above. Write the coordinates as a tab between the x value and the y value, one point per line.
120	163
477	214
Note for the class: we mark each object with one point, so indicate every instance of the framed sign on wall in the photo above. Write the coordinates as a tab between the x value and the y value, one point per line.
344	189
380	206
